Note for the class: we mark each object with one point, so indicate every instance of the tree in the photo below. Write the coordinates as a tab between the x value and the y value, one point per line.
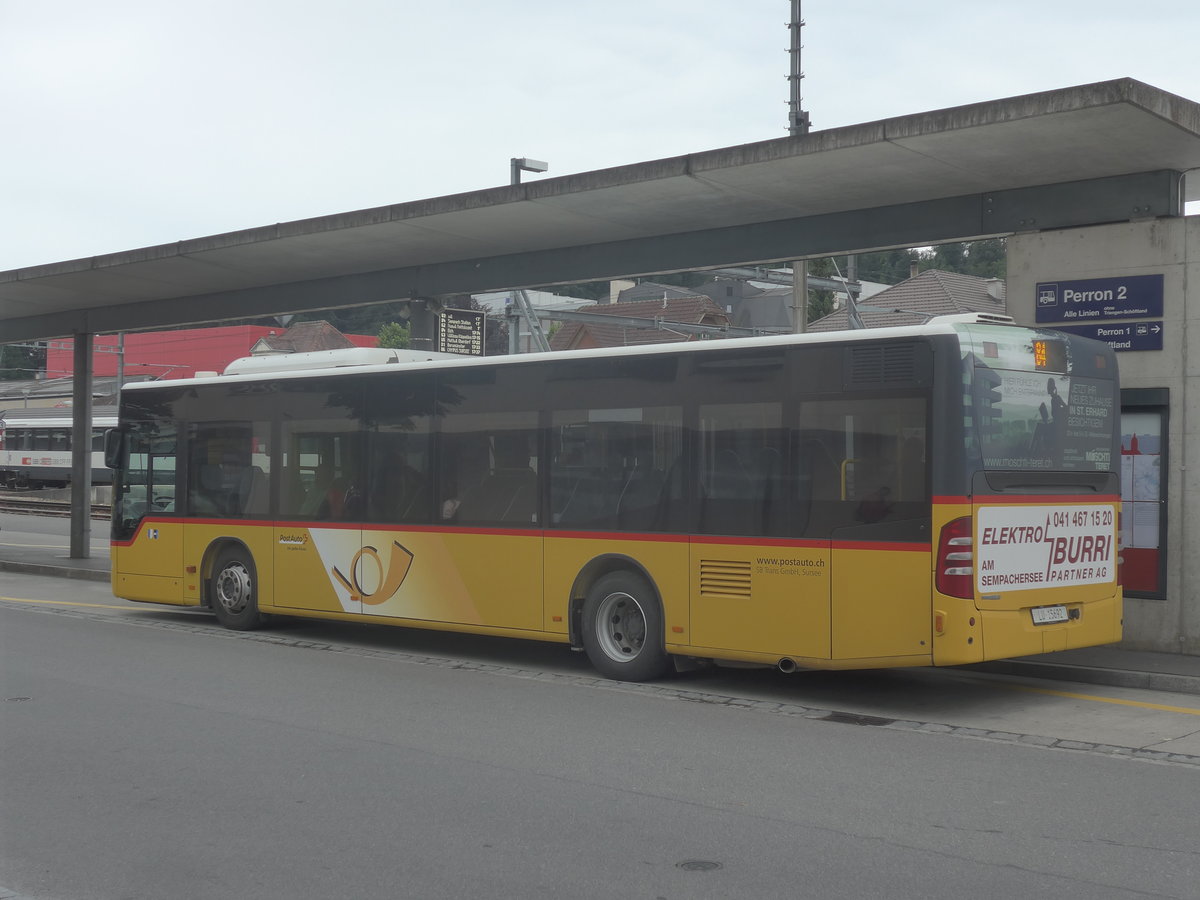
21	362
988	259
886	266
820	302
950	257
394	335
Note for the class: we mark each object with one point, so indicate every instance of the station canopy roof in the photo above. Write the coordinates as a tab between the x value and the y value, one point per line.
1073	156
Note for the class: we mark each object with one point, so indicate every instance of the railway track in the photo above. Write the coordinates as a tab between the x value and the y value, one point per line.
30	506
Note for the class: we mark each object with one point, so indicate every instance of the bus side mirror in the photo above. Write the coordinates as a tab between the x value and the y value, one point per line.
114	447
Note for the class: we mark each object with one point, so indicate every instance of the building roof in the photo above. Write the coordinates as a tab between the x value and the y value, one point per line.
770	310
654	290
692	310
911	302
304	337
53	391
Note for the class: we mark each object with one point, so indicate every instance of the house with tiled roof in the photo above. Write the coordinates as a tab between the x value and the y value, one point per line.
688	309
654	290
920	298
307	337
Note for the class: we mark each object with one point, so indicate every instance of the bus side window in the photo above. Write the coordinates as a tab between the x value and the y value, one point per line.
489	469
742	491
227	470
865	461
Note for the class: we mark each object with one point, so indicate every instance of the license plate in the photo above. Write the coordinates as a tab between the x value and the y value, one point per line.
1046	615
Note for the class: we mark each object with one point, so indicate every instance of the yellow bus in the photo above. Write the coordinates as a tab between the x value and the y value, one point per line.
933	495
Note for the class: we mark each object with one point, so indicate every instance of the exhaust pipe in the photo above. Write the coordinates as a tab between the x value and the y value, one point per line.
787	665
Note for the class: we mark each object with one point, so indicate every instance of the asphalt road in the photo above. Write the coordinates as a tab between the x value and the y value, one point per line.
146	753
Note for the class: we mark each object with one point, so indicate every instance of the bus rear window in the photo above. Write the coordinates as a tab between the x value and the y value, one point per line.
1036	420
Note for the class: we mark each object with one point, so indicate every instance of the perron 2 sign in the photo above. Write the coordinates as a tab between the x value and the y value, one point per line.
1126	297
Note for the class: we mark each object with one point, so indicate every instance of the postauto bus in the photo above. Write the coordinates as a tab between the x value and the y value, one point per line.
931	495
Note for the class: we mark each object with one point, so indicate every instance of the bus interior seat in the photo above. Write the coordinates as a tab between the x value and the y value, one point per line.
314	497
253	490
585	499
206	497
637	503
506	495
729	503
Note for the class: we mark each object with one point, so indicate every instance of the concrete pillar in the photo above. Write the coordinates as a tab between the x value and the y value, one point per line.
81	448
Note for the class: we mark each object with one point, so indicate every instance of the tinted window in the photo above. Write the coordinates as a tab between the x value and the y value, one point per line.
321	454
861	462
617	468
228	469
400	473
743	469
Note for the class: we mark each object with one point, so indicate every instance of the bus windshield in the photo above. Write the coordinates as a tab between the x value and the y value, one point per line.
1032	405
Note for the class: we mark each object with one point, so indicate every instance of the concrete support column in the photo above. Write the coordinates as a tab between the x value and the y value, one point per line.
799	296
81	448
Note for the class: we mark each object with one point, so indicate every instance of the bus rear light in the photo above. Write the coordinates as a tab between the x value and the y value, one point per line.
1120	554
954	559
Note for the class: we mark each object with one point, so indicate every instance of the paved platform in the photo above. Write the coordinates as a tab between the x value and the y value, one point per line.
24	548
40	545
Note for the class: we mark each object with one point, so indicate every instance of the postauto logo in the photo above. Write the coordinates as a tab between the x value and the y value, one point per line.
388	576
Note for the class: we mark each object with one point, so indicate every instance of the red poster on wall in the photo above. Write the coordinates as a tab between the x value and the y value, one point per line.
1141	501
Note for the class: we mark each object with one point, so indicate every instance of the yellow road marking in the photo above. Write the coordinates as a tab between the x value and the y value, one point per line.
1186	710
61	603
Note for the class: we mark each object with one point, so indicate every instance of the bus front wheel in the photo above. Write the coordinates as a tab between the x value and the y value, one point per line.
235	590
622	628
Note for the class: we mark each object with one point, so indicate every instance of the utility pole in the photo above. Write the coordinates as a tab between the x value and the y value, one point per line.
798	124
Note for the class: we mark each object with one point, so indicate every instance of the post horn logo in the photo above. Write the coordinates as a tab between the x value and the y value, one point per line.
390	578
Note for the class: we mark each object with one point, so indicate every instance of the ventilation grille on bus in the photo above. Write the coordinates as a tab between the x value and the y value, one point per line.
887	363
725	578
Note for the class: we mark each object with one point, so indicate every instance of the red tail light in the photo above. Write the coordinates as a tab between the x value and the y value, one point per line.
1120	555
955	559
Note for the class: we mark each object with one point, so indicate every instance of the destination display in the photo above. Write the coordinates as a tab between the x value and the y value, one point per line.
461	331
1126	297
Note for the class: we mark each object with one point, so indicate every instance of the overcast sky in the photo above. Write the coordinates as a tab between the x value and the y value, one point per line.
129	123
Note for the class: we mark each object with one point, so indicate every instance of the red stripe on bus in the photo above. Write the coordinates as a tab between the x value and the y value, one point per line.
799	543
666	538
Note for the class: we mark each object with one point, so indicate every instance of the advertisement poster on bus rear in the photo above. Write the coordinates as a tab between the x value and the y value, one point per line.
1030	420
1025	547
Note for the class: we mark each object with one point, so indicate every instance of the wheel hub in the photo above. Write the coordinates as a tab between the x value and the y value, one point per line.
620	626
233	588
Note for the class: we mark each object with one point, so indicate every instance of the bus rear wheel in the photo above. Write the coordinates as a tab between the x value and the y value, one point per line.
235	591
622	628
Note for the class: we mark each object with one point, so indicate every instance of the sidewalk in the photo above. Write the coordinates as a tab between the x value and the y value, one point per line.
1112	665
1093	665
32	550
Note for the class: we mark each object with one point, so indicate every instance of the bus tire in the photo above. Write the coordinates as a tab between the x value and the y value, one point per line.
235	590
622	628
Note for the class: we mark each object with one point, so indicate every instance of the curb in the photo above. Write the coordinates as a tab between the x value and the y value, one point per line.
56	571
1152	681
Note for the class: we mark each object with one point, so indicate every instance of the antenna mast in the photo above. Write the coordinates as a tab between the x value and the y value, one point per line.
797	118
797	125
